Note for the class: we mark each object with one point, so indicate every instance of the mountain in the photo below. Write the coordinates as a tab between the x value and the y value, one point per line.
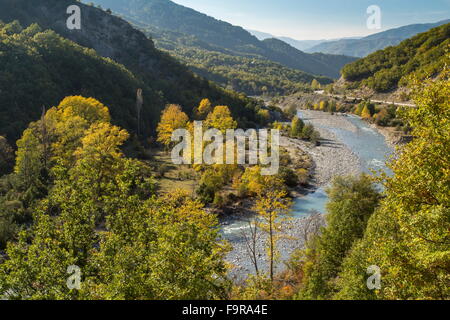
421	56
302	45
260	35
313	63
251	75
298	44
51	68
364	46
47	67
165	15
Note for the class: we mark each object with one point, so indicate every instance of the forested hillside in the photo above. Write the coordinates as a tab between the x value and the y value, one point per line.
378	41
39	68
161	15
98	201
421	56
251	75
318	63
58	68
404	233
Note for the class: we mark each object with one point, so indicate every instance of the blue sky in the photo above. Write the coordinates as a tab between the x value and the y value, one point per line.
320	19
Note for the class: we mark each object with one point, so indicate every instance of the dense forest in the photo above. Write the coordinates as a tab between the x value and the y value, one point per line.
250	75
75	197
61	65
420	57
56	67
157	16
405	232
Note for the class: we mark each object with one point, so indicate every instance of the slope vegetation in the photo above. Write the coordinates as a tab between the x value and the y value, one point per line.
164	15
421	56
365	46
71	69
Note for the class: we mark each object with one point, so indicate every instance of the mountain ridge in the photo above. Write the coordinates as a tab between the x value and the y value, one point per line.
302	45
420	57
114	38
378	41
160	14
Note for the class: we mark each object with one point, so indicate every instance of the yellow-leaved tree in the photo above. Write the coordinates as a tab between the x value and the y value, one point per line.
172	118
203	109
271	207
365	113
221	119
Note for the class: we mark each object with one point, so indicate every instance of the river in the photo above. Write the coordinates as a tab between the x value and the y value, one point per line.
366	142
345	133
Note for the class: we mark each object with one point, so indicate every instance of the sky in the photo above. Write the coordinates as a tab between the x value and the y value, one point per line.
320	19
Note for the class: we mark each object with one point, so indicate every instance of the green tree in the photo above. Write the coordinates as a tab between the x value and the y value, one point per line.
165	250
6	156
98	183
408	238
352	201
307	131
297	126
315	85
359	108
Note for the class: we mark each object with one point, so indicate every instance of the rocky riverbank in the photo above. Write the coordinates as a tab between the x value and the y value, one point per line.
332	158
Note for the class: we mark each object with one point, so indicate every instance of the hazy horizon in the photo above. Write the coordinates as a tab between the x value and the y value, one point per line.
329	19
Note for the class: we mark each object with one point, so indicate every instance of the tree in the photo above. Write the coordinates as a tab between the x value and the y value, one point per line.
359	108
323	106
253	183
172	118
381	118
89	109
332	107
407	238
270	207
307	131
203	109
251	241
352	201
365	113
165	250
291	111
37	270
263	116
297	126
6	156
221	119
315	85
210	183
99	183
315	137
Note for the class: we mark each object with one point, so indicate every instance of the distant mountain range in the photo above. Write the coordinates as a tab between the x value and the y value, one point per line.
419	57
165	15
365	46
302	45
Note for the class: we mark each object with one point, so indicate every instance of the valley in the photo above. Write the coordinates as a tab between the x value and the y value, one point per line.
343	152
151	151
